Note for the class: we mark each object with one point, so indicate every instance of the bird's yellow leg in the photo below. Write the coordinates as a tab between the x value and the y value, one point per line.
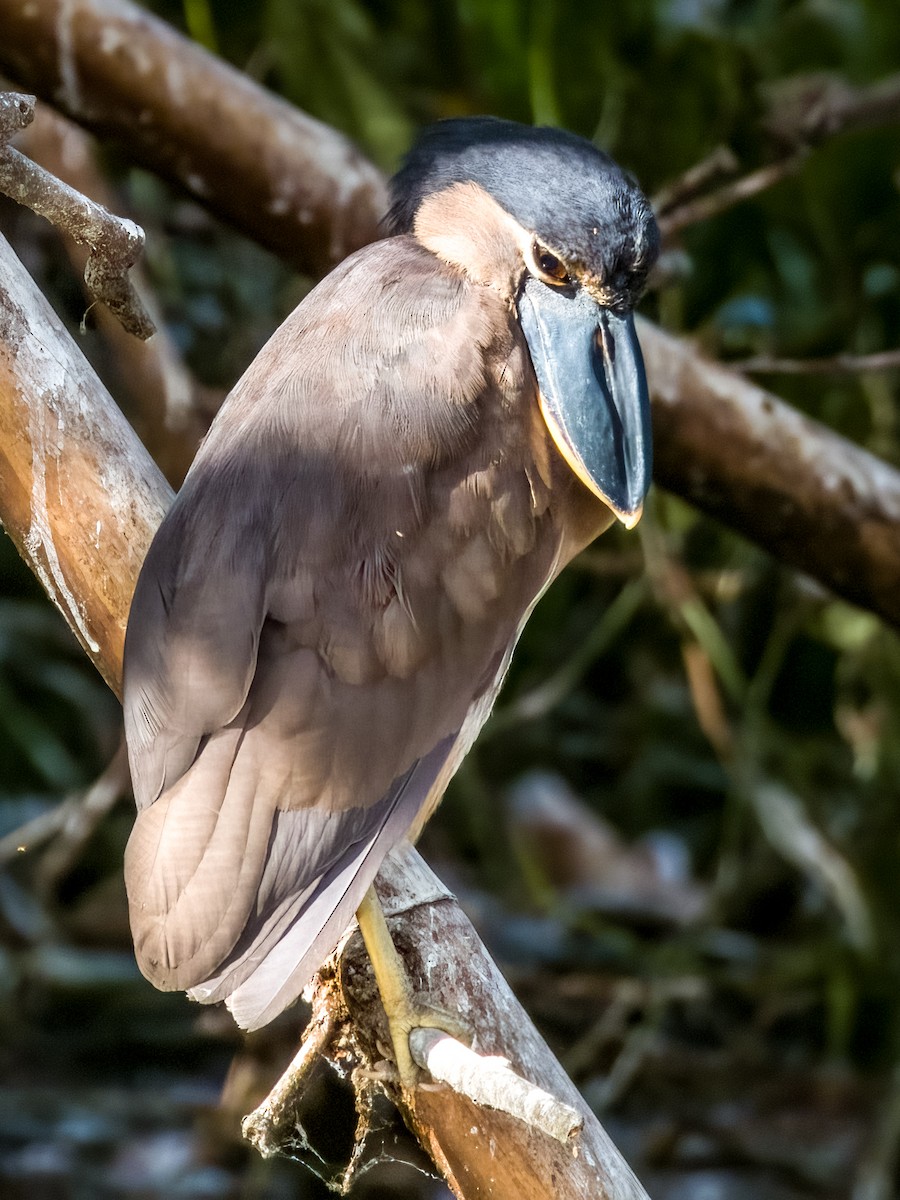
404	1011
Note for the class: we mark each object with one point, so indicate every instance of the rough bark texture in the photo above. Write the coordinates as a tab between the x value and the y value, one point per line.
79	494
808	496
81	498
281	177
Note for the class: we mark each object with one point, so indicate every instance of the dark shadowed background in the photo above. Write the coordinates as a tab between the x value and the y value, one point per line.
679	834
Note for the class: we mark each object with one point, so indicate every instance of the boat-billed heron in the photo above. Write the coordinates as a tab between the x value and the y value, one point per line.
327	612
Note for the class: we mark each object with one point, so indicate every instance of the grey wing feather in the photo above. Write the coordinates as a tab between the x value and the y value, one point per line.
274	974
190	648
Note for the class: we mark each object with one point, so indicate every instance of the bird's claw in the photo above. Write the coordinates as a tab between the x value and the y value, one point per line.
415	1014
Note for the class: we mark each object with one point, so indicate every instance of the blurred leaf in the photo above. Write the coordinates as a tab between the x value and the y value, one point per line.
324	57
789	829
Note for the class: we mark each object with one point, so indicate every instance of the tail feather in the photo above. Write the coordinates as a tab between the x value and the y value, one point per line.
286	953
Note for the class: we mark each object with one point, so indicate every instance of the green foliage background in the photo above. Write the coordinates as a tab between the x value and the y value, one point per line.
810	686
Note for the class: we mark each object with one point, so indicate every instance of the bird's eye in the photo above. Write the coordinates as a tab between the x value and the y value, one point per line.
551	268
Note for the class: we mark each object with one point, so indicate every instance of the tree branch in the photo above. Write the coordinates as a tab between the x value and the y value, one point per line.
702	208
79	494
114	242
721	163
530	1162
149	378
806	110
281	177
273	1122
803	112
836	364
807	495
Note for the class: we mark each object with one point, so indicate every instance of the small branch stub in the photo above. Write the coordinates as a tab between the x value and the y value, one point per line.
16	111
489	1080
272	1121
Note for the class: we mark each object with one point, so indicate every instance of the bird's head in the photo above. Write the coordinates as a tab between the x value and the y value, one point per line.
568	236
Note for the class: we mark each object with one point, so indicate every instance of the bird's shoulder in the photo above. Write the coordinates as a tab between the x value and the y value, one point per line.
386	356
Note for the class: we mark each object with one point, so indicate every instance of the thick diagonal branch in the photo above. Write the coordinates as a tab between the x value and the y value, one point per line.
79	494
816	501
281	177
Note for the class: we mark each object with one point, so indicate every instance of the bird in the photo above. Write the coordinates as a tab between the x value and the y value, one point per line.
327	612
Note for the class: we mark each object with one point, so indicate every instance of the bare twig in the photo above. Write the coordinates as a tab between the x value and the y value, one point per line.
805	110
274	1120
82	818
115	242
836	364
490	1081
720	164
638	1044
629	997
149	378
73	820
35	832
793	834
707	699
702	208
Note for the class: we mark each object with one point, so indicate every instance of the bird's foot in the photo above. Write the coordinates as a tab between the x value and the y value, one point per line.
404	1009
411	1013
